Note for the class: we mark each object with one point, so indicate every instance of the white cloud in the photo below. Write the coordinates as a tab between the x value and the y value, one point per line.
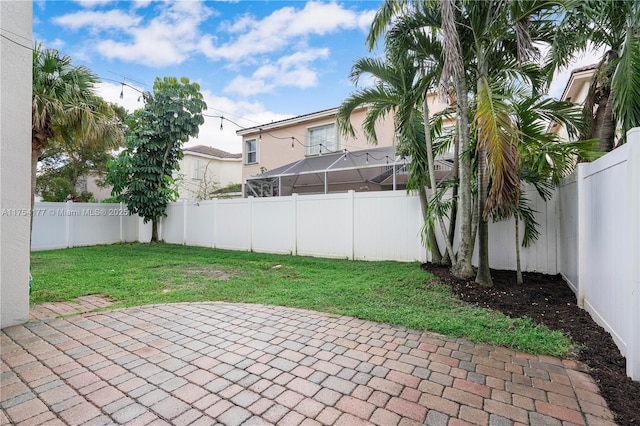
93	3
289	71
140	4
98	20
246	86
167	39
286	26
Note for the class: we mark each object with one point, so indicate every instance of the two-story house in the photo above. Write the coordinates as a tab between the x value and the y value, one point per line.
205	171
308	154
575	91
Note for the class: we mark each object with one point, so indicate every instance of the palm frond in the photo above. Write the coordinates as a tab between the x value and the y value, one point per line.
626	85
497	133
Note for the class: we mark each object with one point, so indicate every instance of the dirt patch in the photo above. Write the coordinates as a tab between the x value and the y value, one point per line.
549	300
210	273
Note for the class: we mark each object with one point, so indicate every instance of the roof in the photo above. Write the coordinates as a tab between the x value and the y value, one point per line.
375	165
213	152
325	113
578	75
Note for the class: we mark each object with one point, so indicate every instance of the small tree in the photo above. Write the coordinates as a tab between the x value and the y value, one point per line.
142	176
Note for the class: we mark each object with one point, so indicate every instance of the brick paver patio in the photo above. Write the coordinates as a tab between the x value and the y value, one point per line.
241	364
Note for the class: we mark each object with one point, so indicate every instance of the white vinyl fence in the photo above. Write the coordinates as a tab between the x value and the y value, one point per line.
589	232
598	215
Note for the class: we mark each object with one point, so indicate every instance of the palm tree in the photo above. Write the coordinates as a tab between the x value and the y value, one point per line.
493	43
397	90
614	94
415	29
66	108
543	158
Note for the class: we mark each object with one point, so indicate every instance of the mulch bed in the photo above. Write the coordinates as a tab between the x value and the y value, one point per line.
548	300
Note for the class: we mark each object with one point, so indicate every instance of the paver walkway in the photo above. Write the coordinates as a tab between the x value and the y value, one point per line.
233	364
76	306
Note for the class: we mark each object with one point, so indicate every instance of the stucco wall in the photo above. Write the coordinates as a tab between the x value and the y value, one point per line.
15	163
275	150
216	173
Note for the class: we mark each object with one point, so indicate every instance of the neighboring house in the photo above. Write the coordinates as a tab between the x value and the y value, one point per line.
575	91
205	171
300	155
90	183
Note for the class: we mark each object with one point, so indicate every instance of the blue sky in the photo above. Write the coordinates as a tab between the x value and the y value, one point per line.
256	61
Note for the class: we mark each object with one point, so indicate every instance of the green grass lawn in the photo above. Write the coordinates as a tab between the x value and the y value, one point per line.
390	292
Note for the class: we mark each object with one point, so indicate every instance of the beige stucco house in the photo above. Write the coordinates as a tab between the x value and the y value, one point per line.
204	170
575	91
300	155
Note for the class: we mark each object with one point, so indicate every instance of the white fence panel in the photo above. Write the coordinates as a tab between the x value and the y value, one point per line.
91	224
325	226
567	231
173	224
200	221
274	224
233	224
538	257
50	226
387	225
130	227
606	224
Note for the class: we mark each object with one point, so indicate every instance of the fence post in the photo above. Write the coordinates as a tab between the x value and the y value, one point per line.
250	223
67	224
121	216
351	218
294	223
582	237
633	351
214	220
184	222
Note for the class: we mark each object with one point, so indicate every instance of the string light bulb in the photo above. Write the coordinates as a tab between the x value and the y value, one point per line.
260	137
345	154
221	120
292	139
367	158
122	91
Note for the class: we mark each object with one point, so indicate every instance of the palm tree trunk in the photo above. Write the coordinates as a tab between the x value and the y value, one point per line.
605	124
483	276
454	68
436	257
462	267
518	267
454	199
432	173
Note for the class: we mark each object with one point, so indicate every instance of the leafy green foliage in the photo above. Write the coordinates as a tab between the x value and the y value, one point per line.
142	176
68	118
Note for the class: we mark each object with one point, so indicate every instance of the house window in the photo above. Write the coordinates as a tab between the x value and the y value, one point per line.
252	151
198	170
322	139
